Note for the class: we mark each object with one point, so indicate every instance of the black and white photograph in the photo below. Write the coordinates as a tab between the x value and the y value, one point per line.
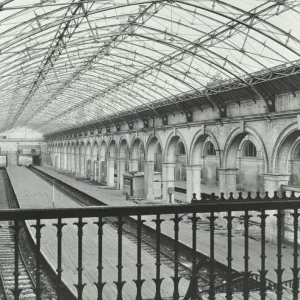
149	149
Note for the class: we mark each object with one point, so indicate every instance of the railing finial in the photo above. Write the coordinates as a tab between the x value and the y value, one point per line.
194	199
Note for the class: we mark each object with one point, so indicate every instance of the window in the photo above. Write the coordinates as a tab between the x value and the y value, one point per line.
210	149
180	149
249	150
297	152
158	159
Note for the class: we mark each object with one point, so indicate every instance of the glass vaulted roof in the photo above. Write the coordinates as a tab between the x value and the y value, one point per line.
69	63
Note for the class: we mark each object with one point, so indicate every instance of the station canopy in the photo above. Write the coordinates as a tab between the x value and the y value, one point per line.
64	63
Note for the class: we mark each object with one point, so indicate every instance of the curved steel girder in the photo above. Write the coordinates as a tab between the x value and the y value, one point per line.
202	58
136	83
97	83
161	18
75	107
138	54
145	79
51	56
189	4
250	26
206	49
63	20
51	53
183	24
115	96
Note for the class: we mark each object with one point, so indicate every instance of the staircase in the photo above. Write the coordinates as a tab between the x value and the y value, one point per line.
287	295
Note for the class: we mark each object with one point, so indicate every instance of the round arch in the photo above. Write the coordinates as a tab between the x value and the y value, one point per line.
170	149
151	145
283	148
233	145
198	144
137	154
123	145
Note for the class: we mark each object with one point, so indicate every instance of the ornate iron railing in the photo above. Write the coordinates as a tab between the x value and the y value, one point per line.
211	208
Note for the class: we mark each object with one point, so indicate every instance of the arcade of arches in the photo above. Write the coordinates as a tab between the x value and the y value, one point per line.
253	154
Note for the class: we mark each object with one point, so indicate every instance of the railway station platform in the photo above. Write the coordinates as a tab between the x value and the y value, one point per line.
115	198
33	192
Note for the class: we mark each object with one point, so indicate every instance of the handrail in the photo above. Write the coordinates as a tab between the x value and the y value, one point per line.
257	277
289	283
219	288
130	210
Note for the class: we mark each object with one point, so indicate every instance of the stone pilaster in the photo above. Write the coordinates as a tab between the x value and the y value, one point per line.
133	165
121	171
168	179
273	182
227	180
110	172
149	180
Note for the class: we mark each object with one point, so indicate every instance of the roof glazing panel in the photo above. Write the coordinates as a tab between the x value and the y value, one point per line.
68	63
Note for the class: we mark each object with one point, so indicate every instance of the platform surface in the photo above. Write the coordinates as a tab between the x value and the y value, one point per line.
34	192
203	236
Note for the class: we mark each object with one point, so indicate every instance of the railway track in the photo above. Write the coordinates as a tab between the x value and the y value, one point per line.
7	256
129	231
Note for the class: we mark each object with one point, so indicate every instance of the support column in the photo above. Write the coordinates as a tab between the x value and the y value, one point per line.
77	165
168	179
149	180
121	171
227	180
196	178
133	165
189	183
100	169
272	183
110	171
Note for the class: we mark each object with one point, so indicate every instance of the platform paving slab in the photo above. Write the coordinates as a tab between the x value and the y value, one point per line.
114	197
34	192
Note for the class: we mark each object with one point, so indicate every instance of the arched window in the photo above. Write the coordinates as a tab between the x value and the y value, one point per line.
127	156
297	153
180	149
249	150
141	158
180	171
158	159
210	149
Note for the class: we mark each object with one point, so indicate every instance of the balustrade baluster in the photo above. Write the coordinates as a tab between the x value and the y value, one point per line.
247	273
176	278
158	280
59	270
263	272
193	291
100	284
139	281
120	283
229	289
279	270
38	288
212	293
295	269
80	286
16	290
